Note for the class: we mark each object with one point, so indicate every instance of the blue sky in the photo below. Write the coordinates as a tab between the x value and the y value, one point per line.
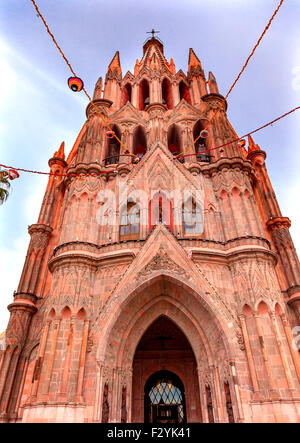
38	111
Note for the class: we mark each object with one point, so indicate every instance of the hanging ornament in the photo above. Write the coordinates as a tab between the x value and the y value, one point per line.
75	83
81	179
116	171
242	143
136	160
126	152
204	133
12	174
110	134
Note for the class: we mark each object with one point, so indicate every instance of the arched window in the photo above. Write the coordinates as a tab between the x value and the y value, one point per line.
201	144
139	142
164	399
130	222
160	210
113	148
184	91
167	96
126	94
192	218
174	141
144	95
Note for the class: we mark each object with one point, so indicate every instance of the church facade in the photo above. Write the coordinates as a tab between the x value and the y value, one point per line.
157	287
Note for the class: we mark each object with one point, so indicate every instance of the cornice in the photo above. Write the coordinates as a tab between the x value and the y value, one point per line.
278	223
213	96
95	256
228	163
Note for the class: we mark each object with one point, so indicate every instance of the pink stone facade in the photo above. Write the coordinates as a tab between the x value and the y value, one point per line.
209	307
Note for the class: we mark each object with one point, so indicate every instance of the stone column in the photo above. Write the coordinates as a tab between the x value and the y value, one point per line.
156	115
284	361
82	359
21	312
249	354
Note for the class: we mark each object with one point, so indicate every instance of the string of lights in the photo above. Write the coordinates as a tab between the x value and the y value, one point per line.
75	75
214	115
186	155
237	78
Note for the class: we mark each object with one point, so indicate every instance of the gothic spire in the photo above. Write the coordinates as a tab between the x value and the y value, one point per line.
193	60
61	152
115	64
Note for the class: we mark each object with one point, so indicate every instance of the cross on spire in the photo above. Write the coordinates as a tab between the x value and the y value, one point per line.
153	32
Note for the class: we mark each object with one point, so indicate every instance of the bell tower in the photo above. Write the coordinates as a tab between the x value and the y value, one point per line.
159	286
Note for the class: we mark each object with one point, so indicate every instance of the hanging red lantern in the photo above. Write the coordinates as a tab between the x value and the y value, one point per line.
242	143
75	83
12	174
110	134
204	133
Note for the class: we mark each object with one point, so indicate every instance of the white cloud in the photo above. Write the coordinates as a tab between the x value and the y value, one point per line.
13	259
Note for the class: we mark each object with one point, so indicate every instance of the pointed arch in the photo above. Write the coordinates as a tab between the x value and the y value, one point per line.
192	218
144	94
201	144
167	94
160	210
52	314
139	142
126	94
184	92
145	305
66	312
175	140
129	222
113	147
81	314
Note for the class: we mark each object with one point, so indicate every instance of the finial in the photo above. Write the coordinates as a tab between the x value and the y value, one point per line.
60	153
153	32
252	146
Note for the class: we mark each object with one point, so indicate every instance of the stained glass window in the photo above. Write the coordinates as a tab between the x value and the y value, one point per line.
165	393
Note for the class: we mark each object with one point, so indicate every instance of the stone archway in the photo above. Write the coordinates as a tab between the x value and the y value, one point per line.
123	329
165	348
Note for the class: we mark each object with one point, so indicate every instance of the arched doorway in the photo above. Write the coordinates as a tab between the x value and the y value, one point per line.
165	384
164	398
162	324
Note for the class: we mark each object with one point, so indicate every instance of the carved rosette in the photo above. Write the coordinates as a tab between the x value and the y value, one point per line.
161	261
